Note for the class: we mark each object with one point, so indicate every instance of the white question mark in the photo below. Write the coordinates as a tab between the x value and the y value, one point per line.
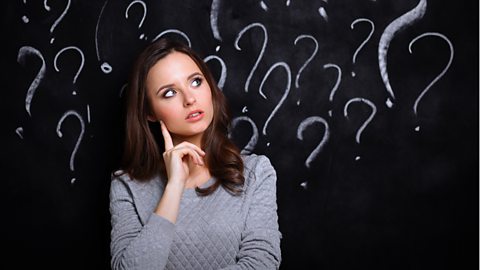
223	75
265	41
369	119
22	53
25	19
297	78
365	41
57	21
176	32
415	106
337	83
142	36
287	90
60	134
81	63
388	34
253	140
105	67
326	135
215	8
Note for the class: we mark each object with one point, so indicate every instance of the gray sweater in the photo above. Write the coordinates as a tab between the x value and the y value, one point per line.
219	231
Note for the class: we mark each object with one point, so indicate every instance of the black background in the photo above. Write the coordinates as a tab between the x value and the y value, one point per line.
409	201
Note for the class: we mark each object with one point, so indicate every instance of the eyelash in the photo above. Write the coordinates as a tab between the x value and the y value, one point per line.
170	90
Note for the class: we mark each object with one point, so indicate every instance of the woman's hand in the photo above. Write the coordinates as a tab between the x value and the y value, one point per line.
178	157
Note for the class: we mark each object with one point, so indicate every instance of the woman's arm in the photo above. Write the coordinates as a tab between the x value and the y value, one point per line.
134	245
260	246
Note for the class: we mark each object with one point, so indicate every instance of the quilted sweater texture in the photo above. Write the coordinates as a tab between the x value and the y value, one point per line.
218	231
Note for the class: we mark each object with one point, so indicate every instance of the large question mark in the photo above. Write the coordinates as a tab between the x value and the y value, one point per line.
22	54
297	78
142	36
60	134
81	63
223	75
369	119
285	94
388	34
253	140
365	41
215	8
415	106
57	21
337	83
260	55
176	32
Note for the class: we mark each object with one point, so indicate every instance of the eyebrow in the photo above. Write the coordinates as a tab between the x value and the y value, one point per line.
170	85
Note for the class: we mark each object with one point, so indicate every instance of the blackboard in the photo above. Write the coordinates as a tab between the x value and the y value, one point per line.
367	109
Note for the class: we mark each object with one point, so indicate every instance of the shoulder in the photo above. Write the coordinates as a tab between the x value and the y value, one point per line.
258	170
144	195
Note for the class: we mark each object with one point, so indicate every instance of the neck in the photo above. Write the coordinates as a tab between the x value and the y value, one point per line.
196	139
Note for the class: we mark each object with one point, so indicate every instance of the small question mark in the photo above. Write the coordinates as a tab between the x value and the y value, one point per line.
308	60
369	119
223	75
57	21
365	41
415	106
326	135
142	36
260	55
253	140
60	134
287	90
105	67
25	19
81	63
337	83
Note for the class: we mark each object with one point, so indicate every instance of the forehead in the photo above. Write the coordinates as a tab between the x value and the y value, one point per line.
175	64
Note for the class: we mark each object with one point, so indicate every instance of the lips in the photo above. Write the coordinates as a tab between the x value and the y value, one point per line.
194	114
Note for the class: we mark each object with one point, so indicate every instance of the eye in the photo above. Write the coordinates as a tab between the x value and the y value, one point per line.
169	93
197	82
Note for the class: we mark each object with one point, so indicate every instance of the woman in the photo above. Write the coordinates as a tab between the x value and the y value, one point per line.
200	205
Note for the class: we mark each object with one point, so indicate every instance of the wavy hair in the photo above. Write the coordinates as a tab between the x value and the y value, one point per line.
143	144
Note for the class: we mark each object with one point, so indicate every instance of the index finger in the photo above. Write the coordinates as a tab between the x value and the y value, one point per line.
166	137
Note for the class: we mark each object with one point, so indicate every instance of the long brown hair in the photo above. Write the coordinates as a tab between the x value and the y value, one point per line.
143	145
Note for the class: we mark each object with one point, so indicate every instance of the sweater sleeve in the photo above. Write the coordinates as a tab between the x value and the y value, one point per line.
134	245
260	245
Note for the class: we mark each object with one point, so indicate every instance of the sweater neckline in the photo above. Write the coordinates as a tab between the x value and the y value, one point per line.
191	193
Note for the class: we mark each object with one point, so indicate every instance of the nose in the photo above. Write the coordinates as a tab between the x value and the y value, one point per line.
189	98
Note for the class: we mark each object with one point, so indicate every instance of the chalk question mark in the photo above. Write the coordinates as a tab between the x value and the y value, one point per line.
262	51
365	41
60	134
369	119
337	83
81	63
247	149
223	74
142	36
326	135
176	32
434	34
387	36
297	78
22	54
215	8
25	19
57	21
285	94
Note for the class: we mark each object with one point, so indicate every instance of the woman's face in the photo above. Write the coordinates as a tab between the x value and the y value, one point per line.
180	96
